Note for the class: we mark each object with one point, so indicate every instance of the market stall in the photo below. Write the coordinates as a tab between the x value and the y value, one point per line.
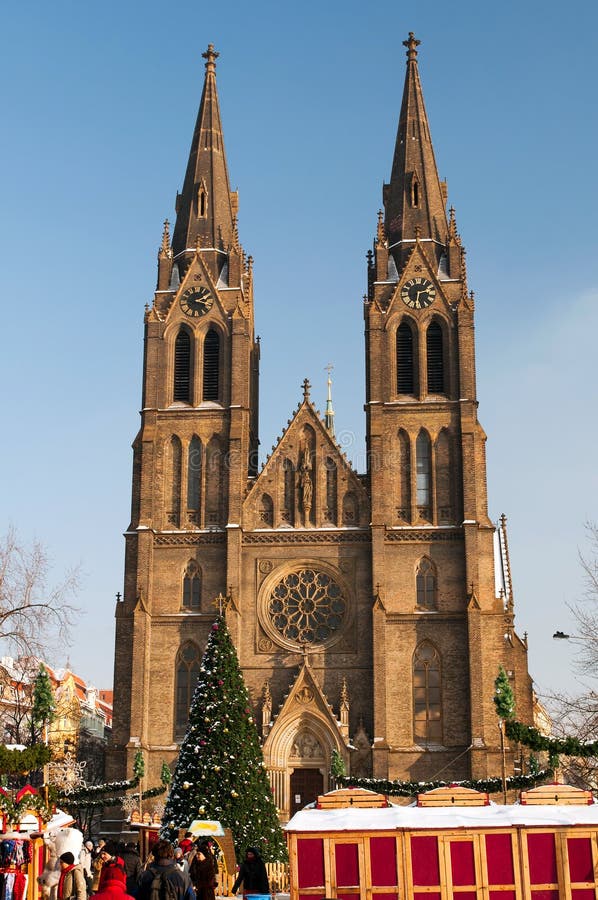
451	843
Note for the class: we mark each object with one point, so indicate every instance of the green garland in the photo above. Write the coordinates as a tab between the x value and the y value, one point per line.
20	762
68	802
531	737
409	788
83	794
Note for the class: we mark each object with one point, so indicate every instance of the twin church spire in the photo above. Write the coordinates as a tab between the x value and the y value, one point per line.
206	208
415	198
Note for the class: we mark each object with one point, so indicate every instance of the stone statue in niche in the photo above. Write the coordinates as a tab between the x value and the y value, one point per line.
306	488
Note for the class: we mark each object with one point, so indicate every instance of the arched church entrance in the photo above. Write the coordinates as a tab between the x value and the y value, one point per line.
307	768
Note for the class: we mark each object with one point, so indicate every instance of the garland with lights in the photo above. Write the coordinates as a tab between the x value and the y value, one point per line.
69	802
84	794
409	788
531	737
14	809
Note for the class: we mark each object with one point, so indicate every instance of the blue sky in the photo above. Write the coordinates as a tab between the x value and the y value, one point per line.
99	106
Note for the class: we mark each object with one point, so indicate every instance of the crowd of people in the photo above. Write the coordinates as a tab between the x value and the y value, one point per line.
189	871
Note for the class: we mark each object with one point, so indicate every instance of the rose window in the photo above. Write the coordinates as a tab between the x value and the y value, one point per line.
307	607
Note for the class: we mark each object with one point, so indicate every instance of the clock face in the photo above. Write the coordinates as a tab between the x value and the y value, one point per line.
417	293
196	301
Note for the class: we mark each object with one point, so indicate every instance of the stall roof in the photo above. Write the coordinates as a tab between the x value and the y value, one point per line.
414	818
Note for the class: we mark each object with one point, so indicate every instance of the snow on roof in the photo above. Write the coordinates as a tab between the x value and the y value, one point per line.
414	818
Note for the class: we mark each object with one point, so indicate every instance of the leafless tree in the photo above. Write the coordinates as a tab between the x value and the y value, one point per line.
33	613
577	715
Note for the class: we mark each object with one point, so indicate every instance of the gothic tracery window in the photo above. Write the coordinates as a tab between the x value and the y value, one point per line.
427	701
194	466
425	585
307	606
423	458
331	490
175	452
187	665
192	586
266	511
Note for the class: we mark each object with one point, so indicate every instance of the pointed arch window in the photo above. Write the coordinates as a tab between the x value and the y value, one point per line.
175	454
215	500
425	584
403	476
182	366
192	586
435	358
211	366
331	490
288	492
266	511
423	456
405	359
427	695
187	665
194	467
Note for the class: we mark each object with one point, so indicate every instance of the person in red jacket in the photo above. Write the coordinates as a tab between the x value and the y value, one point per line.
113	866
114	886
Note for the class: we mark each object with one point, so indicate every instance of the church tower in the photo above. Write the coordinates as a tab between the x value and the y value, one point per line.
195	450
442	622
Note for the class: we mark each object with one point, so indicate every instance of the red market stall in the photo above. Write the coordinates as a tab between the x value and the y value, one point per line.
451	843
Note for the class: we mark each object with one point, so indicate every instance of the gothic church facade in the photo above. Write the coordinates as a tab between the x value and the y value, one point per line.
370	611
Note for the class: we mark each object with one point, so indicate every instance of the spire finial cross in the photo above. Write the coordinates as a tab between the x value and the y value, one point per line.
210	56
412	44
306	388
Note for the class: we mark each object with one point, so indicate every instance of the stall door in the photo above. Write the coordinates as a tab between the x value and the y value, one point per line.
348	870
306	786
562	864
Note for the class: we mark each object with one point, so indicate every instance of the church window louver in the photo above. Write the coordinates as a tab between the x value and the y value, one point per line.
182	366
211	366
435	359
405	359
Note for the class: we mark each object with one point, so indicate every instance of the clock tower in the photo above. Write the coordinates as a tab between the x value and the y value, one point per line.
442	622
195	450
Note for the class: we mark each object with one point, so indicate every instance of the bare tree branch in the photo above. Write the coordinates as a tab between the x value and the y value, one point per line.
33	614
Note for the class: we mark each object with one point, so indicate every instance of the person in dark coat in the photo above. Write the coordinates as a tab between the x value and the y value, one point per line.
252	874
203	871
133	867
163	853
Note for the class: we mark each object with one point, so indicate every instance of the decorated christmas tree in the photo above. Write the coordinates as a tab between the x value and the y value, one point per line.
220	772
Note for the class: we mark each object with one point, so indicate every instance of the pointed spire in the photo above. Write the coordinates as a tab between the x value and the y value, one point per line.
165	246
329	416
205	206
415	197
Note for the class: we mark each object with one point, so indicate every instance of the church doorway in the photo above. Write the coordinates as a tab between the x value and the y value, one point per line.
306	786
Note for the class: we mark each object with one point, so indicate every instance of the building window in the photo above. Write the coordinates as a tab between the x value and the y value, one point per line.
194	466
211	366
288	493
182	366
435	359
186	673
176	452
427	707
423	463
192	586
405	360
266	511
425	583
331	490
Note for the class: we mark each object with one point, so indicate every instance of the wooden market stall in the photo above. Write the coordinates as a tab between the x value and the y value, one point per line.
451	843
